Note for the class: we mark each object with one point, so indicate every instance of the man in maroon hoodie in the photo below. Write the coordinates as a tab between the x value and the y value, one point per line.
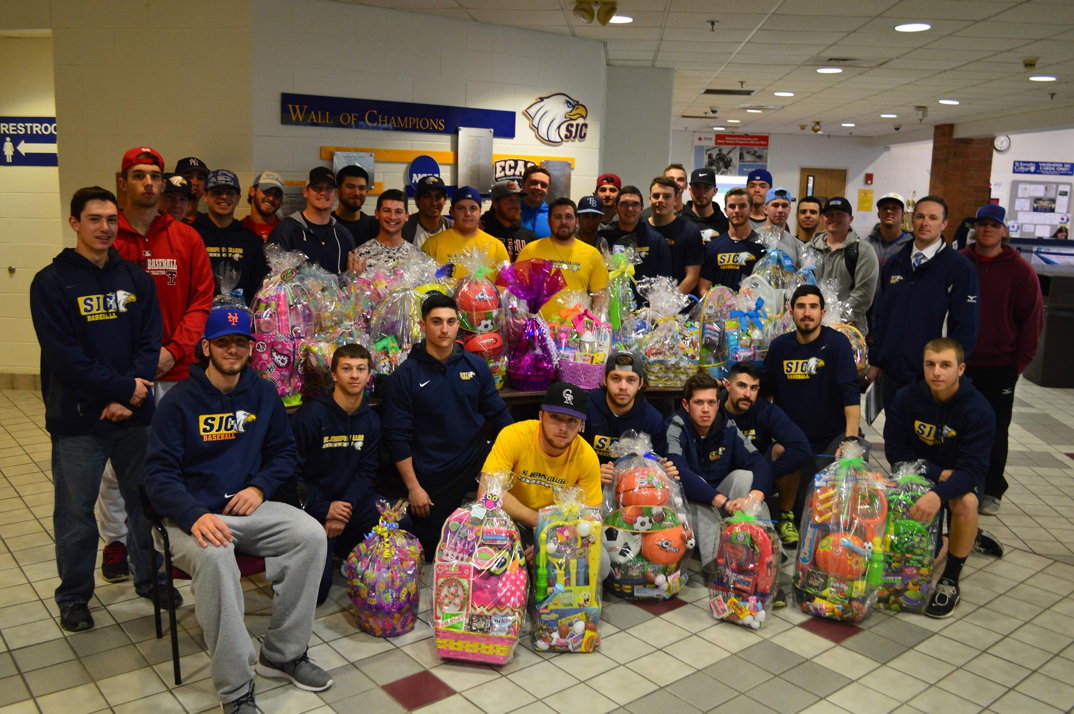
1012	316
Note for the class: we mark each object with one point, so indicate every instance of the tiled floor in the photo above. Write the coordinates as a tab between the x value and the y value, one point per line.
1009	649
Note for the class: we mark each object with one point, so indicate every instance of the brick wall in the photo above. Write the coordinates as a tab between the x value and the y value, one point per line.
961	171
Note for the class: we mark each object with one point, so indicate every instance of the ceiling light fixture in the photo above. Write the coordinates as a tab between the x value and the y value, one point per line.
950	102
784	94
621	20
1042	78
846	125
719	128
734	121
584	11
829	70
603	11
753	111
913	27
889	116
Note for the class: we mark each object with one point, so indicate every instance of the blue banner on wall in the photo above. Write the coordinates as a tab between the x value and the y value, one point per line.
28	141
347	113
1044	168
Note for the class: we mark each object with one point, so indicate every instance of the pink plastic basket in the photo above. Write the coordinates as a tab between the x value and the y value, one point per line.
581	374
492	649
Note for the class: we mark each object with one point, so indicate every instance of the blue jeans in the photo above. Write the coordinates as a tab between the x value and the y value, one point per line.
77	465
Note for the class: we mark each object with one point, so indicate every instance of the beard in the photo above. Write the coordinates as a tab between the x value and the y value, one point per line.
223	369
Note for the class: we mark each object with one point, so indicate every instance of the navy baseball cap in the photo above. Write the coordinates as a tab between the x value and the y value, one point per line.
563	398
778	192
590	204
428	184
706	176
174	183
838	203
192	164
463	193
222	178
993	210
321	174
759	175
225	321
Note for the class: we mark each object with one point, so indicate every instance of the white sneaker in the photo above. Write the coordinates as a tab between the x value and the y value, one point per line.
989	506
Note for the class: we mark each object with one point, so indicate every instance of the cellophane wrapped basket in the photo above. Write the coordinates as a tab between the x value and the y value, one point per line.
582	341
481	316
744	580
532	362
909	544
282	320
670	349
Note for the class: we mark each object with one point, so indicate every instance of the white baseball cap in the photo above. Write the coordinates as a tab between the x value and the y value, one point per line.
891	197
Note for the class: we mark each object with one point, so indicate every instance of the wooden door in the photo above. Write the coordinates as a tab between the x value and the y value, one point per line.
822	183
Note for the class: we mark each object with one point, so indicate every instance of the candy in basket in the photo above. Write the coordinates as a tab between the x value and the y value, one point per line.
395	327
746	332
567	587
582	342
669	350
282	320
716	309
746	571
909	544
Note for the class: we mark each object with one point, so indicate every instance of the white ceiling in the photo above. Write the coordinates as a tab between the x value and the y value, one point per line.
973	53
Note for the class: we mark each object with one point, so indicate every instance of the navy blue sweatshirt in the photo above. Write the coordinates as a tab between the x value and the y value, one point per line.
704	462
99	328
728	261
955	435
652	248
911	306
684	241
338	453
813	383
603	428
238	247
205	446
766	424
434	412
326	245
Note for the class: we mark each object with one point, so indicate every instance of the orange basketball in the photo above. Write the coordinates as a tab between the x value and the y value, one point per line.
642	486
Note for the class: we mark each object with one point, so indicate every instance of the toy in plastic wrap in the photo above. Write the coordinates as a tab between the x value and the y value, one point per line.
747	332
909	544
327	302
567	587
477	298
532	361
715	311
395	327
533	281
857	345
646	533
282	320
747	568
622	293
776	268
384	576
840	563
480	581
227	278
808	262
490	347
583	342
669	350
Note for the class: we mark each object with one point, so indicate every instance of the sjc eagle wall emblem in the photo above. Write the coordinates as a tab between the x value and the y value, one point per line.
557	118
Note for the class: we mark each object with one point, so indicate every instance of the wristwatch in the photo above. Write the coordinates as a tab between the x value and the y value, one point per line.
853	438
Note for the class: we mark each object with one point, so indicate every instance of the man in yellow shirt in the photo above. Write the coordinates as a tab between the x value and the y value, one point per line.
454	244
581	264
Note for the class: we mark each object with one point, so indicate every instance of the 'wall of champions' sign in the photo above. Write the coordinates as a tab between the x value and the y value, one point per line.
348	113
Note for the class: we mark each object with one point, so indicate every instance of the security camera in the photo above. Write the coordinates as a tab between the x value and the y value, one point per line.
896	127
1030	62
714	110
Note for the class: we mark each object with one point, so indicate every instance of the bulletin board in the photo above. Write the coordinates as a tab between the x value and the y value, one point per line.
1038	209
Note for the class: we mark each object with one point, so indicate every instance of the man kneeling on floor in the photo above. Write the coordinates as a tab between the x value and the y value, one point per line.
219	447
942	419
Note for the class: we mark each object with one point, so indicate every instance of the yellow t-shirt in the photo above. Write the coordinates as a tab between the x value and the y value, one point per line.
517	450
582	265
451	247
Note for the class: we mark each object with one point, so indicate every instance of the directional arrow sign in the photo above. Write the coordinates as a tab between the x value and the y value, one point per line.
27	141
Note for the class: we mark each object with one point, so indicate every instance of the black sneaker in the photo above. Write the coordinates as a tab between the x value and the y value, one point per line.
780	600
987	544
243	705
76	618
162	589
114	567
945	599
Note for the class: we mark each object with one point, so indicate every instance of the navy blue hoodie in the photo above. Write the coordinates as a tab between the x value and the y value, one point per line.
434	412
766	424
338	453
237	246
603	428
955	435
911	306
704	462
205	446
99	328
326	245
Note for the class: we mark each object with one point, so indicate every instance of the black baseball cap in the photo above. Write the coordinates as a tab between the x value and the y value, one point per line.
838	203
174	183
429	184
563	398
192	164
322	174
703	176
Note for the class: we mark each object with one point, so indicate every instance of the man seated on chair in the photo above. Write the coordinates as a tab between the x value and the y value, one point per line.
338	439
219	447
940	418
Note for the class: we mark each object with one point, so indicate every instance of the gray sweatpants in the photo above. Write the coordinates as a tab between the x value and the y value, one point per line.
293	546
706	520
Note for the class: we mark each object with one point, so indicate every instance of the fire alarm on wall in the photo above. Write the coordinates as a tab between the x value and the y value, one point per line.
868	179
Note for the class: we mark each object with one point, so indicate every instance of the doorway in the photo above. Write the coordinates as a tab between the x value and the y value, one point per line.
822	183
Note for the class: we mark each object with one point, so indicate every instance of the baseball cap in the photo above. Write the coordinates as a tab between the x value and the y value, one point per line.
778	192
636	365
428	184
192	164
131	158
590	204
838	203
222	178
463	193
892	197
321	174
993	210
706	176
174	183
563	398
268	179
503	189
227	321
759	175
609	178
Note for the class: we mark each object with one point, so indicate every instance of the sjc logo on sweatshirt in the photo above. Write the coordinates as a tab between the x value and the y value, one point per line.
343	441
733	261
105	307
802	368
603	444
715	454
223	427
932	434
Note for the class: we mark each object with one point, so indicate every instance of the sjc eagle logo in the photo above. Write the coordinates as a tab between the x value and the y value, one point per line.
243	418
558	118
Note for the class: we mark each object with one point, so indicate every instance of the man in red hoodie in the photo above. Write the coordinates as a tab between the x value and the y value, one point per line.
174	256
1012	316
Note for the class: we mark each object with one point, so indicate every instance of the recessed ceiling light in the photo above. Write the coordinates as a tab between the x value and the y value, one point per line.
846	125
829	70
889	116
913	27
784	94
718	128
734	121
753	111
949	102
621	20
1042	78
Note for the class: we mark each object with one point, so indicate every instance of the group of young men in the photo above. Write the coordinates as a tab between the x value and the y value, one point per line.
148	386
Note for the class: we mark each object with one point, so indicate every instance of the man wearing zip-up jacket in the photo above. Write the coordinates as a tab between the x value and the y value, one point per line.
97	319
219	448
314	231
436	404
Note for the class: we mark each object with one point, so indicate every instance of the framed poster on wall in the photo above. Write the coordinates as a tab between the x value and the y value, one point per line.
1040	209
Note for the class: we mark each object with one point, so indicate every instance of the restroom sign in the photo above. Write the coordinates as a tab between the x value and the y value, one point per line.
28	141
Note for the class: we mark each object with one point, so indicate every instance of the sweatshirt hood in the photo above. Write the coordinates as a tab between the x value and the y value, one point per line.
965	391
72	258
1005	256
820	241
247	380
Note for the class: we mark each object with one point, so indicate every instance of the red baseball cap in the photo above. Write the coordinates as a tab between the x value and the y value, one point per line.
132	157
609	178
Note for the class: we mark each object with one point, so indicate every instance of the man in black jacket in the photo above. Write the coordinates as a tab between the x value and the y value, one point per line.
229	244
502	220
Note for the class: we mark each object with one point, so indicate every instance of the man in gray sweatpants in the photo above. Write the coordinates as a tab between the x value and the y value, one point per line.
218	448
